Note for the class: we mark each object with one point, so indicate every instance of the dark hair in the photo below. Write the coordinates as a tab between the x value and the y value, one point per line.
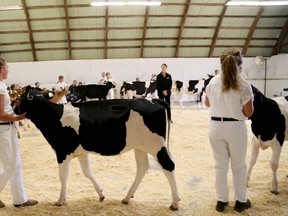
164	65
230	59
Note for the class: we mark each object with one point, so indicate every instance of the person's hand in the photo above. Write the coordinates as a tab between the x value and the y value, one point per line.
21	117
165	92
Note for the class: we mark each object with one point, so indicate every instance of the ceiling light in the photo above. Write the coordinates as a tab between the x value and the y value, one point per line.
257	3
97	4
2	8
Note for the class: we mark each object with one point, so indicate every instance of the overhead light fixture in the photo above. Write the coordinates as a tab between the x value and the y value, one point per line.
2	8
98	4
257	3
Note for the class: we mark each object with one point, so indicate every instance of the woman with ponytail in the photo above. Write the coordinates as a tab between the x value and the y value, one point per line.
230	99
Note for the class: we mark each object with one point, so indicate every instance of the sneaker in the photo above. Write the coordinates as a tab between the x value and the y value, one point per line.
30	202
220	206
241	206
2	205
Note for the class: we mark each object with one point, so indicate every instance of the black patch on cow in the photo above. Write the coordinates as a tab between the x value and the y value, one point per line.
165	160
267	119
192	84
179	85
286	97
139	87
102	123
102	126
152	88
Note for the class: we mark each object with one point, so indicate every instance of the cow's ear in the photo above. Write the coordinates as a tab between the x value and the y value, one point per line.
28	88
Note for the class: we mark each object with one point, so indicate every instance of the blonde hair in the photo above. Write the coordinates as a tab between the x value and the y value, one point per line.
230	59
2	62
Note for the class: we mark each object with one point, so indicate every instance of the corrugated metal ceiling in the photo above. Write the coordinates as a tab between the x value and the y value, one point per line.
71	29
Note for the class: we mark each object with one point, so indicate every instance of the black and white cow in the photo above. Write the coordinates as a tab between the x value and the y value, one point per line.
195	87
133	90
74	130
269	122
94	91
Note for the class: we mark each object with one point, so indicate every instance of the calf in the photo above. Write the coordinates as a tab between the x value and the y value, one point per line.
94	91
269	122
134	89
74	130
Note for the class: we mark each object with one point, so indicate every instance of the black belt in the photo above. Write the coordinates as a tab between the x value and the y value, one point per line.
6	123
223	119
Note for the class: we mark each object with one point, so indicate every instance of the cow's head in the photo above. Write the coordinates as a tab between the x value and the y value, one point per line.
110	85
29	99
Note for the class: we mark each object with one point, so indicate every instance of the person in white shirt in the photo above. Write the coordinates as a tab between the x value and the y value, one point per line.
103	79
10	161
110	94
230	99
59	87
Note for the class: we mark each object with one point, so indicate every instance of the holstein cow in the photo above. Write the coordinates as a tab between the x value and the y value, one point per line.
181	89
133	90
196	87
269	122
94	91
74	130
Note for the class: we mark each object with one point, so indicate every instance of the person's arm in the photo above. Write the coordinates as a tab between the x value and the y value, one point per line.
207	102
8	117
248	109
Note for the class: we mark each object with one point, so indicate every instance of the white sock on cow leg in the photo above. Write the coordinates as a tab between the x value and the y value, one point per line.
254	155
85	166
142	163
274	163
63	174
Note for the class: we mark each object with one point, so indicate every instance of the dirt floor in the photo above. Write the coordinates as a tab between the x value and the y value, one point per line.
194	173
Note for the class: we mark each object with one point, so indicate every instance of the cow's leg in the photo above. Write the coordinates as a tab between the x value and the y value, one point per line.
168	167
254	155
63	174
85	166
181	100
274	163
164	160
142	163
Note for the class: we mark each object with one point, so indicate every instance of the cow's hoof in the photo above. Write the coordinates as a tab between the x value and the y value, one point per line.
274	192
101	199
125	202
58	204
172	208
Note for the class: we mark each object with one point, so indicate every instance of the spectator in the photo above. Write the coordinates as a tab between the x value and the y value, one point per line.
61	85
103	79
73	93
109	78
37	84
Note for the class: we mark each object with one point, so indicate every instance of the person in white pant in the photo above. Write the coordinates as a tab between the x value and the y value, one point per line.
230	99
110	94
10	169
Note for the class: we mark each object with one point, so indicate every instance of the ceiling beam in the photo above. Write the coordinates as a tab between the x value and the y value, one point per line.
29	30
276	49
106	32
144	31
215	36
68	30
184	17
252	29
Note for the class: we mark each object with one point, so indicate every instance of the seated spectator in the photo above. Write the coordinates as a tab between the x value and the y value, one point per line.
37	84
72	96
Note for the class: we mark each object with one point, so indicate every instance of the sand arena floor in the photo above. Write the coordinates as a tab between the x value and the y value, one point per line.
194	173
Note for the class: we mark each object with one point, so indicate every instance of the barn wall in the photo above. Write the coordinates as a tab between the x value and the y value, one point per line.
89	71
